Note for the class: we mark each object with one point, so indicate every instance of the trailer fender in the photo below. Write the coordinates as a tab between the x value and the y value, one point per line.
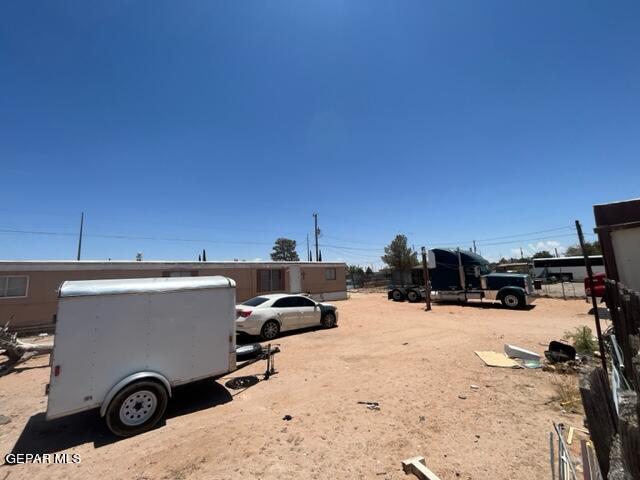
130	379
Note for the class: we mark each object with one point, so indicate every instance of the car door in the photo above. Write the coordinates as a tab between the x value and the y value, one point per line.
287	313
309	312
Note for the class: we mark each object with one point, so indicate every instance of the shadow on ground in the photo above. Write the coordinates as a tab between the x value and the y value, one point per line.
245	339
40	436
487	305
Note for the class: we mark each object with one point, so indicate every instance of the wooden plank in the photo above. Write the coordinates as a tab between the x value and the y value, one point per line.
600	413
629	433
418	467
570	436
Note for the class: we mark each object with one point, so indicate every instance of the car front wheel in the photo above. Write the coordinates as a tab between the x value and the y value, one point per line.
270	330
328	320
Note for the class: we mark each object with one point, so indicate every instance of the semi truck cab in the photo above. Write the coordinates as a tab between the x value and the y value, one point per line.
458	275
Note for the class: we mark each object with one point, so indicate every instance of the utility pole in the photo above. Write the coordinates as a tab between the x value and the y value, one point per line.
427	282
521	254
80	236
474	247
556	249
315	230
594	302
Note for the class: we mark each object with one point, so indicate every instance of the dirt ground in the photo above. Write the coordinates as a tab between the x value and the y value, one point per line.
419	366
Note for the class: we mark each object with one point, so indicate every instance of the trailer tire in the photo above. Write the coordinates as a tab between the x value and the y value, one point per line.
513	300
137	408
397	295
269	330
413	296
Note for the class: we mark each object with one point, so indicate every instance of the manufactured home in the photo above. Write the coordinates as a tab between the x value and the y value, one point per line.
29	289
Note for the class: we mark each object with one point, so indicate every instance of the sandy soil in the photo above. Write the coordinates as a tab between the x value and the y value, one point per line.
419	366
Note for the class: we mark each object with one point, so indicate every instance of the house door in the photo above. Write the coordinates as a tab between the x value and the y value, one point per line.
295	283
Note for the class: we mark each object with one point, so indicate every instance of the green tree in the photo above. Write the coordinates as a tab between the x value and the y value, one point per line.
592	248
284	250
356	273
542	254
399	256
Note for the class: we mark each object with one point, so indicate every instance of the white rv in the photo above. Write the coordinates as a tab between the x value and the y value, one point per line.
122	345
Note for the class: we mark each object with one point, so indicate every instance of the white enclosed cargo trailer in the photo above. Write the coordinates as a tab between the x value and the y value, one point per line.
122	345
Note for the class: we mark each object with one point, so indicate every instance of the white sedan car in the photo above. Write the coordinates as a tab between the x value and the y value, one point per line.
268	315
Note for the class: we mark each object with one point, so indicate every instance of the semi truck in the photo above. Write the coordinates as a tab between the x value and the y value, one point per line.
459	276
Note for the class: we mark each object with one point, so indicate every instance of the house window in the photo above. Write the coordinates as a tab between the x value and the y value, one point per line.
13	286
271	280
329	273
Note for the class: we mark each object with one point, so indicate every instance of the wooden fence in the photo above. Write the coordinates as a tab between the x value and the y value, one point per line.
610	398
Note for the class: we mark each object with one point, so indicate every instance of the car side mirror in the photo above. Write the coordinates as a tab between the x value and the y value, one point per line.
476	271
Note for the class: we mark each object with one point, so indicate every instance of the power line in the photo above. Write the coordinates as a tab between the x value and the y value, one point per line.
452	243
344	249
513	242
133	237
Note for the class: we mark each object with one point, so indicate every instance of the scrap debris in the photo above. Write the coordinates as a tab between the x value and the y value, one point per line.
371	405
528	359
496	359
418	467
513	351
559	352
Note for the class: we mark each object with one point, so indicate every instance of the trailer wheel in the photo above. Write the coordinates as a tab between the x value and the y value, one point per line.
397	295
136	408
513	300
270	330
413	296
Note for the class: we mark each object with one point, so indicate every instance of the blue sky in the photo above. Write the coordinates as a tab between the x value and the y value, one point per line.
178	126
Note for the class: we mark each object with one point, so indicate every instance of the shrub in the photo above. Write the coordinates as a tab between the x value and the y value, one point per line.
582	340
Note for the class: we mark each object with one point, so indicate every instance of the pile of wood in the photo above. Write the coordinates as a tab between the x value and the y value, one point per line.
18	351
610	398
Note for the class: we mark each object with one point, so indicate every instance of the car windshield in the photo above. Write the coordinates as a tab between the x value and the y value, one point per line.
255	301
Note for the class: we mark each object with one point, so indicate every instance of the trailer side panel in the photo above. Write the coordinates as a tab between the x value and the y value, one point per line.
100	340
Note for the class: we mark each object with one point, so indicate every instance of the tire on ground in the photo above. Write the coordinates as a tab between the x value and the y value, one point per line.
397	295
513	300
413	296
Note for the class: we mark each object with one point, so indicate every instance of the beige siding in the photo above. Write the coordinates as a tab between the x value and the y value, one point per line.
314	279
38	308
